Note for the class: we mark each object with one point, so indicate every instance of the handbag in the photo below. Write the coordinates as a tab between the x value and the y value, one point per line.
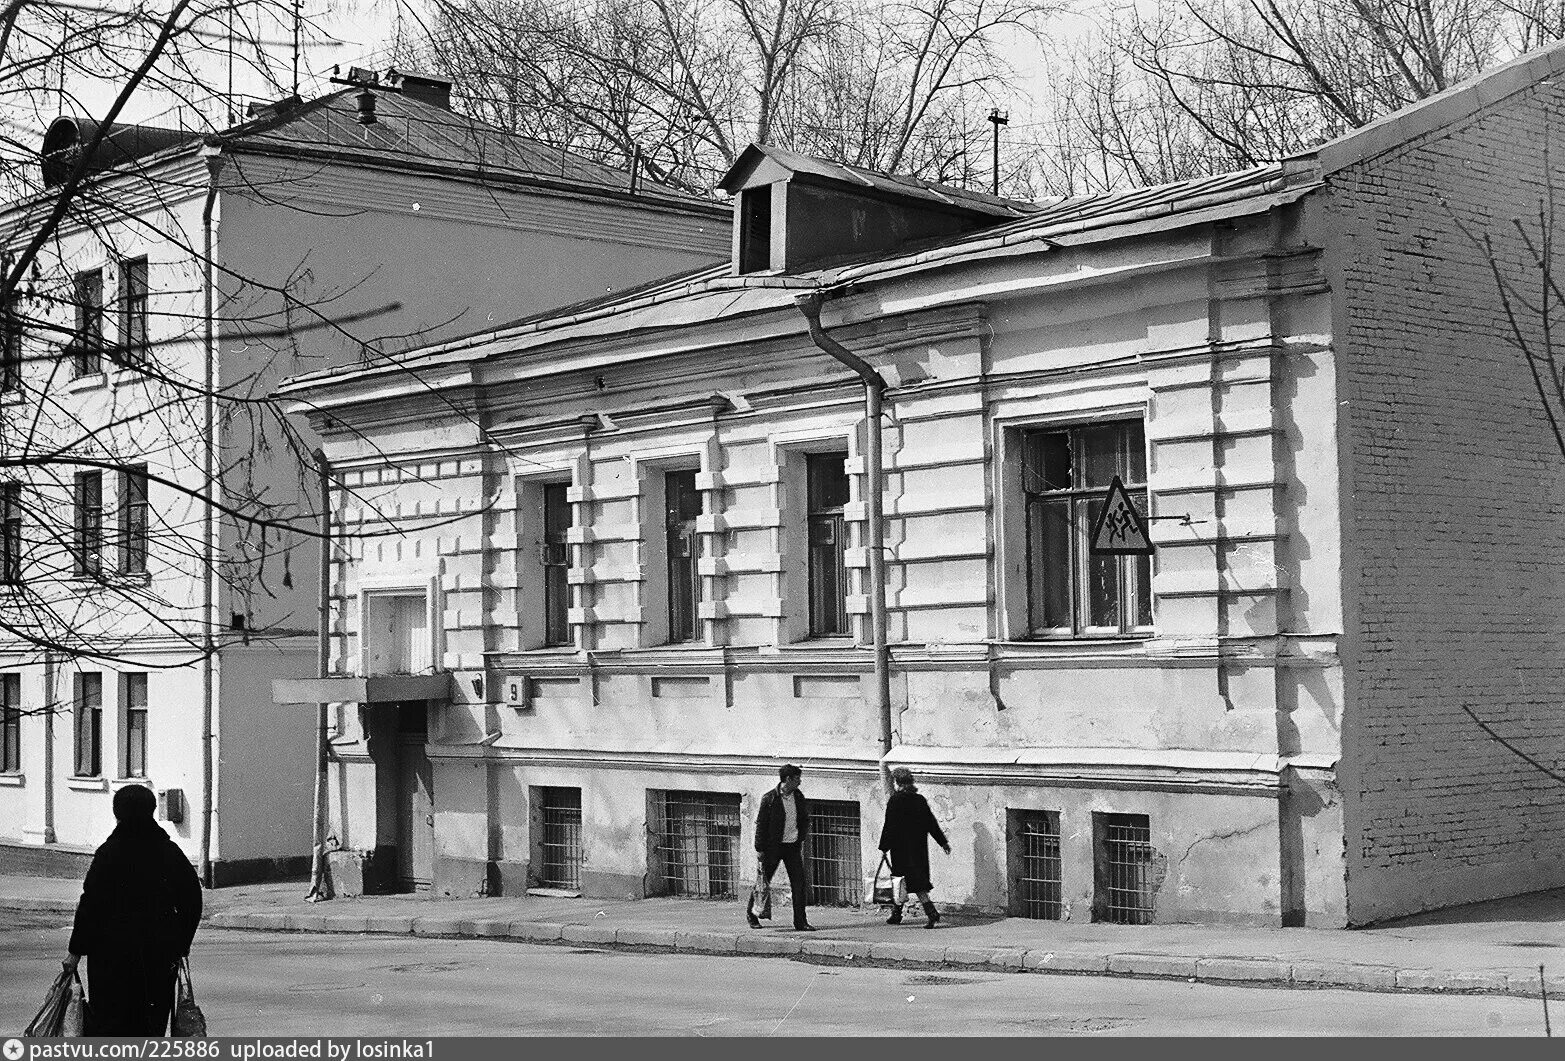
64	1010
189	1021
760	903
885	888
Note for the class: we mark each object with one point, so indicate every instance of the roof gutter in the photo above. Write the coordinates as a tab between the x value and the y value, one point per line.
874	387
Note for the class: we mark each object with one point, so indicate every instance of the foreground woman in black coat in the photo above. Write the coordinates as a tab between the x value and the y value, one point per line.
138	912
904	837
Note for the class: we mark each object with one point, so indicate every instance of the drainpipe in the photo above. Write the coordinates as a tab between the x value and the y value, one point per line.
212	154
874	386
51	676
320	884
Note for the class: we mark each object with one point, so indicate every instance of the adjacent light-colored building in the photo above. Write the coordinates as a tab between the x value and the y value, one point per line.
333	239
1301	375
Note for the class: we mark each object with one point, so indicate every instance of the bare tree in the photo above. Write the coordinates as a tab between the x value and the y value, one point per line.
1201	86
685	84
81	299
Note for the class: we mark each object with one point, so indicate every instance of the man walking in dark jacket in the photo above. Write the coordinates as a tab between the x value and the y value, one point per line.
138	912
781	829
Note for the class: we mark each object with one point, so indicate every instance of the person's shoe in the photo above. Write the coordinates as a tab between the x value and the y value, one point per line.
804	928
755	922
896	916
932	914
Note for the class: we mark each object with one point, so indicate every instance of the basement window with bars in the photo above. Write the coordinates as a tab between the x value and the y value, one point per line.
1034	857
1122	868
559	846
696	844
833	861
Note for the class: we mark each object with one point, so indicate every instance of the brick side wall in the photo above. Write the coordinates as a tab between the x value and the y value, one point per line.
1454	550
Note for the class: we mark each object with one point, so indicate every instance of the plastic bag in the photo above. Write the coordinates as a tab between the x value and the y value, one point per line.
881	888
63	1014
189	1022
760	902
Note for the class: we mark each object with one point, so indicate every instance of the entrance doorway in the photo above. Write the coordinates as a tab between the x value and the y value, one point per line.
415	799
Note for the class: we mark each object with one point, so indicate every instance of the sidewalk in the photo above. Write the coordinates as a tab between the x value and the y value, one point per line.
1486	948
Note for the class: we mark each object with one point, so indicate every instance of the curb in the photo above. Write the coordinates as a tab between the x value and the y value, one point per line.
1269	972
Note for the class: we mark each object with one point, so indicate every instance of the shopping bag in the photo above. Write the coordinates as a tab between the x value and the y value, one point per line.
64	1010
883	888
189	1022
760	903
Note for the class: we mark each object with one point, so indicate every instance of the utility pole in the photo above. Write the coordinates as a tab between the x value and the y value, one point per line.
997	119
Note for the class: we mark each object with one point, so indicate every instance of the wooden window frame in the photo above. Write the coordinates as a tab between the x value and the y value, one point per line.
88	503
1060	502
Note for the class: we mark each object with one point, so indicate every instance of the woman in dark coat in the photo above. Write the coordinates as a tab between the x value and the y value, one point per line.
138	912
904	837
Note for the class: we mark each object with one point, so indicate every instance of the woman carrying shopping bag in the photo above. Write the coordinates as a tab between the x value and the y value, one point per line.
905	839
138	912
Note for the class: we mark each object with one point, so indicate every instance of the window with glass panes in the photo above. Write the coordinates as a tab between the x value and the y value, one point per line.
1065	473
135	725
89	523
10	723
827	490
133	520
89	725
10	349
10	533
133	308
682	502
556	564
87	346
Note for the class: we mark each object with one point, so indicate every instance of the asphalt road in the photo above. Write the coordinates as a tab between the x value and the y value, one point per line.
258	983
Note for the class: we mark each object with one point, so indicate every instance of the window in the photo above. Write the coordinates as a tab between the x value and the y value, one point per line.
89	725
133	520
10	723
1065	474
835	870
682	502
1122	868
10	533
87	346
10	350
828	495
133	309
89	524
697	844
135	701
560	847
556	559
755	229
1034	857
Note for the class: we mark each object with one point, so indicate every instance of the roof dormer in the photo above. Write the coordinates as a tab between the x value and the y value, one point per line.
792	211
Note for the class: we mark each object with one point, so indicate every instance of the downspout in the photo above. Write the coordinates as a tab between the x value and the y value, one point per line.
874	386
320	883
212	154
51	675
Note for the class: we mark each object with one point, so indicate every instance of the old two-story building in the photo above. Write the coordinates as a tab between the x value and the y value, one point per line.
665	586
140	612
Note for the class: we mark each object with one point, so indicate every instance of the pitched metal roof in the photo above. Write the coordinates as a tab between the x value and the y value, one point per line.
714	293
411	133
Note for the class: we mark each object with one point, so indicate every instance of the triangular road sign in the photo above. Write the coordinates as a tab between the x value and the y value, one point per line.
1119	529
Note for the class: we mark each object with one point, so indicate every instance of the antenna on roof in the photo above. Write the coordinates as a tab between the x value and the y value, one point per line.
297	15
997	119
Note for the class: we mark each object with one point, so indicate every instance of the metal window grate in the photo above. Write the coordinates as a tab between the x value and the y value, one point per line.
833	861
698	844
1037	884
560	846
1125	869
